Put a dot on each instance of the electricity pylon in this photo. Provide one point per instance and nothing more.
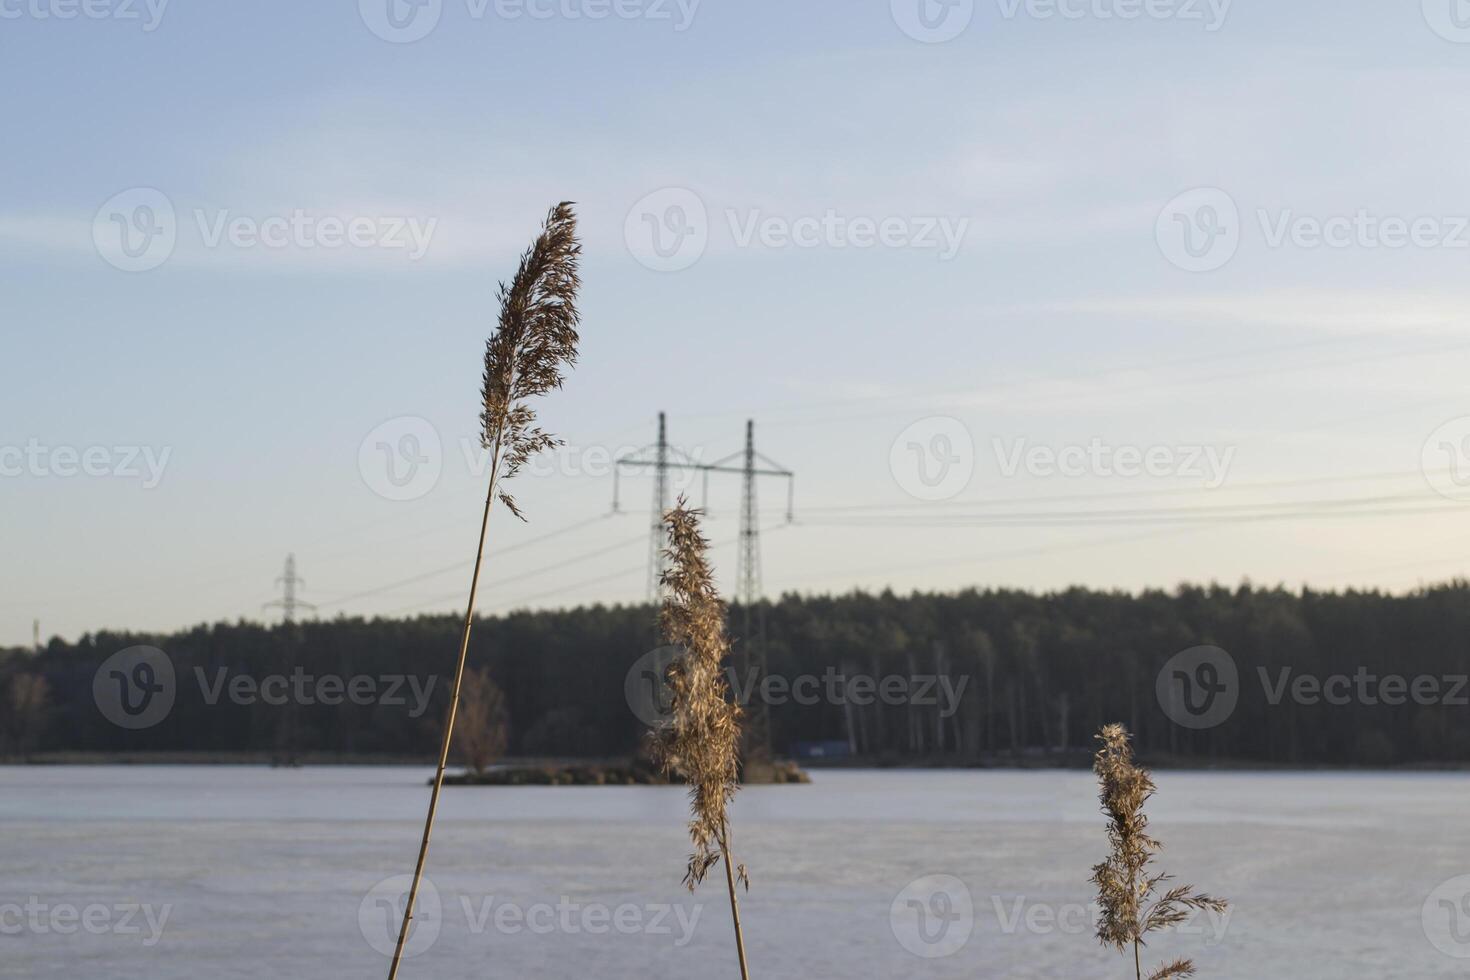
(750, 649)
(288, 602)
(663, 457)
(750, 652)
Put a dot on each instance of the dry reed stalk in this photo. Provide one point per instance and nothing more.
(1124, 883)
(534, 340)
(702, 736)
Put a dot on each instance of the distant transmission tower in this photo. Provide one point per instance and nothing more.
(660, 504)
(288, 602)
(663, 457)
(751, 651)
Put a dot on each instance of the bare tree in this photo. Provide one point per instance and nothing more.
(484, 721)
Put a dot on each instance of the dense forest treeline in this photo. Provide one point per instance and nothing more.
(1320, 678)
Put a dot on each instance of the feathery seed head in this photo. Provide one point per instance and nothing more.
(534, 341)
(1125, 886)
(702, 735)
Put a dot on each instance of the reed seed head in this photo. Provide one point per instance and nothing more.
(1125, 886)
(534, 341)
(701, 737)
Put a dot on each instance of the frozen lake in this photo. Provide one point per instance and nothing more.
(166, 873)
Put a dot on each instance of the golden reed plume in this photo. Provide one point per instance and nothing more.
(702, 736)
(534, 341)
(1125, 885)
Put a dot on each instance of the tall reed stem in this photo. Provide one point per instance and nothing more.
(734, 902)
(464, 648)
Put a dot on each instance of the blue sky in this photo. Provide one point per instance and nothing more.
(1064, 155)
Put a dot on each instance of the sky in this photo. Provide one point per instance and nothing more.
(1027, 293)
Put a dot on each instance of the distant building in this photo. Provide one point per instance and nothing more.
(830, 749)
